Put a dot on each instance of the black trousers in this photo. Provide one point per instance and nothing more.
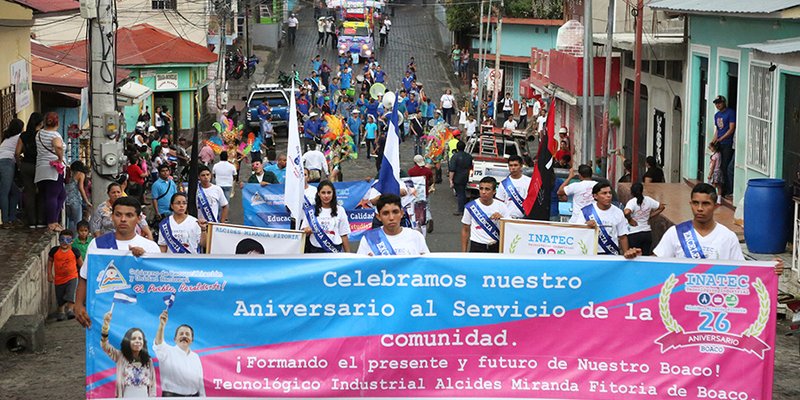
(475, 247)
(292, 35)
(642, 240)
(320, 38)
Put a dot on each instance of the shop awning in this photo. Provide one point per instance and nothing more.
(132, 93)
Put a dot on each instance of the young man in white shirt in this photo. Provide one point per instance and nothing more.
(212, 204)
(581, 192)
(508, 106)
(480, 232)
(316, 163)
(701, 237)
(514, 189)
(125, 215)
(613, 236)
(181, 369)
(471, 126)
(510, 125)
(541, 119)
(391, 238)
(225, 174)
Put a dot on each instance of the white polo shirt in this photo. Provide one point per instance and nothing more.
(181, 372)
(476, 233)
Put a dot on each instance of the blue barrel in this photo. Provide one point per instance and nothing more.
(766, 216)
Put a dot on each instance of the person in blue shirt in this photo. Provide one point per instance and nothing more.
(303, 106)
(380, 75)
(724, 129)
(347, 78)
(334, 85)
(430, 110)
(370, 132)
(162, 191)
(372, 108)
(407, 81)
(278, 168)
(412, 105)
(354, 122)
(490, 109)
(310, 132)
(316, 64)
(321, 98)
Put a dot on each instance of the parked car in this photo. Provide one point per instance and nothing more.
(278, 99)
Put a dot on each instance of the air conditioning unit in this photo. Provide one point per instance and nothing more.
(88, 9)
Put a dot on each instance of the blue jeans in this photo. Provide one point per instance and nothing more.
(461, 195)
(9, 194)
(227, 190)
(419, 144)
(74, 215)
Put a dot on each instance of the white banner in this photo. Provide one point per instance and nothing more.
(520, 236)
(21, 79)
(237, 239)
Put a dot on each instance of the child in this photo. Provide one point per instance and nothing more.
(82, 243)
(715, 170)
(62, 269)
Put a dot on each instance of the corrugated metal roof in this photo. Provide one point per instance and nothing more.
(782, 46)
(725, 6)
(47, 6)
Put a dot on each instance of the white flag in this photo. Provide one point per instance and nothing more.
(295, 178)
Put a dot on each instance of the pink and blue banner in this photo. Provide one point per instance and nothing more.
(439, 326)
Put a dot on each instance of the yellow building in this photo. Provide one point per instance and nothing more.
(16, 96)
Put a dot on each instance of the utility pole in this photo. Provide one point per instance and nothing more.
(604, 140)
(106, 143)
(637, 91)
(497, 80)
(587, 59)
(223, 13)
(481, 58)
(592, 131)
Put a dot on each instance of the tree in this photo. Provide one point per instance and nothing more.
(461, 17)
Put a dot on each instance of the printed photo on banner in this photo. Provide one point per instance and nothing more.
(438, 326)
(416, 203)
(238, 239)
(518, 236)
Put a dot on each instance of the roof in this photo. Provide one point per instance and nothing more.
(56, 68)
(49, 6)
(783, 46)
(725, 6)
(511, 59)
(527, 21)
(145, 44)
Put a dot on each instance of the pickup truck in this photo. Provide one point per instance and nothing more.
(490, 152)
(278, 99)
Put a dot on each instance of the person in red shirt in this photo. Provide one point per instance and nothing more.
(563, 151)
(136, 177)
(63, 264)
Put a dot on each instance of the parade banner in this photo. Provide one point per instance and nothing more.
(436, 326)
(522, 236)
(264, 206)
(237, 239)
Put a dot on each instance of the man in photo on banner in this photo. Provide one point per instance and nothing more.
(514, 189)
(181, 369)
(391, 238)
(480, 231)
(125, 214)
(611, 221)
(701, 237)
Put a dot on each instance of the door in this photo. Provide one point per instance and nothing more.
(701, 122)
(791, 132)
(170, 100)
(676, 140)
(733, 84)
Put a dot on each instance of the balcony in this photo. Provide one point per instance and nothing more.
(564, 70)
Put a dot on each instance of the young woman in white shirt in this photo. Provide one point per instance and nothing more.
(180, 229)
(331, 219)
(638, 212)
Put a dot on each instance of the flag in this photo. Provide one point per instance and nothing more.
(124, 297)
(389, 178)
(295, 175)
(169, 300)
(537, 202)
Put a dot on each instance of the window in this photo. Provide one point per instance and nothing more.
(8, 106)
(629, 61)
(164, 4)
(646, 66)
(759, 119)
(660, 68)
(675, 70)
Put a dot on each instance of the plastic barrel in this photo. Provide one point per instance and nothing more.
(766, 216)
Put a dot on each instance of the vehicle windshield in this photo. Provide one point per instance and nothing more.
(360, 31)
(274, 99)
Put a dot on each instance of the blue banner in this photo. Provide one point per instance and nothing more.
(442, 326)
(264, 206)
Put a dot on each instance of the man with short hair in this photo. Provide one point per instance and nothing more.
(471, 127)
(278, 168)
(508, 107)
(291, 24)
(212, 203)
(181, 369)
(391, 238)
(161, 191)
(581, 191)
(514, 189)
(225, 174)
(310, 131)
(125, 215)
(459, 166)
(613, 226)
(510, 125)
(724, 129)
(260, 176)
(480, 232)
(317, 165)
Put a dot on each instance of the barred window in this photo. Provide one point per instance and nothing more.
(8, 106)
(759, 119)
(164, 4)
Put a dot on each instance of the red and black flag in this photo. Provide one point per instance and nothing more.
(537, 202)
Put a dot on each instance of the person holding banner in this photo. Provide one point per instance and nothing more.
(391, 239)
(180, 233)
(514, 188)
(180, 367)
(479, 232)
(136, 375)
(613, 235)
(125, 214)
(325, 223)
(701, 237)
(212, 204)
(260, 176)
(581, 191)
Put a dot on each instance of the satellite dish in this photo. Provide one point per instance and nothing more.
(377, 90)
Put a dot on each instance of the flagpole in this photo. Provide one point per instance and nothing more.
(112, 307)
(294, 184)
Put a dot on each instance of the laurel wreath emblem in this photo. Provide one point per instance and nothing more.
(584, 249)
(760, 323)
(515, 243)
(663, 305)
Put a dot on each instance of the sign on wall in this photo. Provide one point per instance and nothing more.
(166, 81)
(659, 139)
(21, 79)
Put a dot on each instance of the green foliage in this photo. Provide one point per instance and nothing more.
(464, 17)
(461, 17)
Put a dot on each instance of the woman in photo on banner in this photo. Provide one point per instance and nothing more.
(326, 224)
(135, 375)
(180, 233)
